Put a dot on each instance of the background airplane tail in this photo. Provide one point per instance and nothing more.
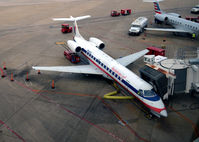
(74, 20)
(156, 5)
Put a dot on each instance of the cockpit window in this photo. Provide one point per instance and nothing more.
(146, 93)
(149, 93)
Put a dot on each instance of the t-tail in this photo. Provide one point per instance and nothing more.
(74, 20)
(156, 5)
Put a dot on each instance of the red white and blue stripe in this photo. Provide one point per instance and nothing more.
(157, 8)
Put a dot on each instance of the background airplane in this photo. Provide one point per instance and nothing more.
(103, 64)
(180, 25)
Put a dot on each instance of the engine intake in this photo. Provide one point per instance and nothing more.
(161, 17)
(75, 47)
(97, 42)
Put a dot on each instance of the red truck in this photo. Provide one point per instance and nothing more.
(125, 12)
(71, 56)
(194, 19)
(155, 51)
(114, 13)
(66, 29)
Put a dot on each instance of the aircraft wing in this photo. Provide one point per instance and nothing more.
(125, 61)
(166, 30)
(84, 69)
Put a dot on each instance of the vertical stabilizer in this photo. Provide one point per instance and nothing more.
(156, 5)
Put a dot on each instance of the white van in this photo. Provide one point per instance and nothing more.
(138, 26)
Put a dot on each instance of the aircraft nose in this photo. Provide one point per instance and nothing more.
(163, 113)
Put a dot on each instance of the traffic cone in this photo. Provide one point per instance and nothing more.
(53, 84)
(27, 79)
(39, 72)
(2, 74)
(4, 66)
(11, 78)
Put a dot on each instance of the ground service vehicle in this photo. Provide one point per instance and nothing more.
(155, 51)
(125, 12)
(114, 13)
(195, 19)
(195, 9)
(138, 26)
(71, 56)
(66, 29)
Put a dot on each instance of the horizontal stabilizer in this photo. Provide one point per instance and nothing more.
(166, 30)
(72, 18)
(84, 69)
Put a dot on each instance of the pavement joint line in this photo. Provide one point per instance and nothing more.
(82, 118)
(122, 120)
(40, 92)
(188, 120)
(88, 95)
(99, 98)
(78, 94)
(73, 113)
(15, 133)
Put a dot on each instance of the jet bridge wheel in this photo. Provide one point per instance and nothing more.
(148, 116)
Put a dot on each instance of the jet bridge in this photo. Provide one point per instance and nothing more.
(172, 76)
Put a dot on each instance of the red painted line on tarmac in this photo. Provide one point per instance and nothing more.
(71, 112)
(12, 131)
(194, 126)
(38, 92)
(82, 118)
(64, 93)
(120, 118)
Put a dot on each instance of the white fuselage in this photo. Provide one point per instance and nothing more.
(180, 23)
(114, 70)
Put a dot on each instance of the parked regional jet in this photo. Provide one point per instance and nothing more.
(103, 64)
(180, 25)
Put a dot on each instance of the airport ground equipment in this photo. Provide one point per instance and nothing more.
(195, 9)
(65, 28)
(173, 76)
(125, 12)
(114, 13)
(194, 19)
(155, 51)
(138, 26)
(69, 54)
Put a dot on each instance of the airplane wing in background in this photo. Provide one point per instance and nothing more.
(84, 69)
(125, 61)
(166, 30)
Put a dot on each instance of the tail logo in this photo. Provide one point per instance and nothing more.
(157, 8)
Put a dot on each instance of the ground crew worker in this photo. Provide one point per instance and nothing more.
(193, 36)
